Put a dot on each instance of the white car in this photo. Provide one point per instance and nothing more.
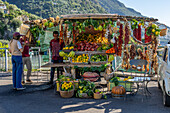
(164, 74)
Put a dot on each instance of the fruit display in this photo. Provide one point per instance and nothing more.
(66, 48)
(95, 38)
(84, 58)
(71, 54)
(111, 50)
(103, 47)
(85, 89)
(86, 46)
(98, 58)
(111, 58)
(63, 54)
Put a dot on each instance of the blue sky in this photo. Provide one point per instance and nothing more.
(159, 9)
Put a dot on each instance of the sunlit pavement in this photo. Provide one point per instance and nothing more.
(44, 100)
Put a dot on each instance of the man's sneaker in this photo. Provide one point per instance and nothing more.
(19, 89)
(14, 88)
(29, 81)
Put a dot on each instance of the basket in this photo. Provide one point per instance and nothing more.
(67, 94)
(163, 32)
(97, 96)
(24, 29)
(100, 62)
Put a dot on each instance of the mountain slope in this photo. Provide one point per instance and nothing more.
(114, 6)
(53, 8)
(48, 8)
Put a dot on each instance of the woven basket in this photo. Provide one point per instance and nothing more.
(97, 96)
(163, 32)
(24, 29)
(67, 94)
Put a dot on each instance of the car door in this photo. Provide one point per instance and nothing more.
(163, 66)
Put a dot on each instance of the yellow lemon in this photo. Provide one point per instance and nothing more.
(157, 33)
(153, 30)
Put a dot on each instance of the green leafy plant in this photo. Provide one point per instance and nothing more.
(153, 30)
(85, 87)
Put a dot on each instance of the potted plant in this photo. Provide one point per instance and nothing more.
(98, 94)
(67, 89)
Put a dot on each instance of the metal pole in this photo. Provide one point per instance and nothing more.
(6, 60)
(49, 55)
(39, 56)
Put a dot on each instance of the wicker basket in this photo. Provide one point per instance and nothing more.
(97, 96)
(67, 94)
(163, 32)
(24, 29)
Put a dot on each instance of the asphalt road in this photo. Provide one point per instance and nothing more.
(47, 102)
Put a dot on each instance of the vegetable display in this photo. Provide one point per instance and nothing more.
(85, 89)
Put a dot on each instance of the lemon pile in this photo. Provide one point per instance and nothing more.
(81, 58)
(66, 48)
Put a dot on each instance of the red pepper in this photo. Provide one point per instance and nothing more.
(127, 33)
(74, 31)
(139, 33)
(147, 38)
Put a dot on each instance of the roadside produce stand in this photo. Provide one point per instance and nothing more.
(93, 40)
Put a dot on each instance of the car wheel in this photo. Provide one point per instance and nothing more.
(159, 86)
(166, 98)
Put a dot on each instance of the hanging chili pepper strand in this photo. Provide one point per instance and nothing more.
(132, 51)
(74, 31)
(147, 38)
(120, 40)
(116, 46)
(127, 34)
(139, 33)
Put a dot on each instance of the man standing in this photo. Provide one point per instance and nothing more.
(16, 50)
(55, 46)
(26, 59)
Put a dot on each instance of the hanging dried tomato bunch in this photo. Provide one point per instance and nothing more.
(120, 40)
(127, 33)
(132, 51)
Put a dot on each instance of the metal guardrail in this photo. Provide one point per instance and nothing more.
(36, 59)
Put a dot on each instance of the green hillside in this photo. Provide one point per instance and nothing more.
(9, 22)
(51, 8)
